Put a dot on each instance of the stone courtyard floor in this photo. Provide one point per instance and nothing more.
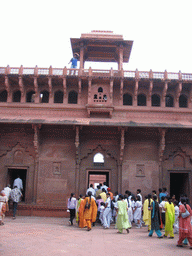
(39, 236)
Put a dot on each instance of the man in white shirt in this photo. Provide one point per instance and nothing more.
(18, 183)
(91, 189)
(104, 186)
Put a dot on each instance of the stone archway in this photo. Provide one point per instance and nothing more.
(87, 165)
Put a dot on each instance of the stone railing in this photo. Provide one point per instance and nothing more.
(127, 74)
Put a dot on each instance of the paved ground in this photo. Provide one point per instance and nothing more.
(37, 236)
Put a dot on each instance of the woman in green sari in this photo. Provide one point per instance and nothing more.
(169, 218)
(122, 215)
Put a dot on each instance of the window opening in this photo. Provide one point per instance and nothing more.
(30, 97)
(44, 97)
(169, 101)
(3, 96)
(183, 101)
(100, 89)
(141, 100)
(127, 99)
(72, 98)
(58, 97)
(155, 99)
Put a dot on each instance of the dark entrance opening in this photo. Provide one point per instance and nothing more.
(96, 177)
(179, 184)
(12, 175)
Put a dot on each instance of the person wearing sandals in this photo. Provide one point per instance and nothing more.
(122, 215)
(155, 218)
(185, 228)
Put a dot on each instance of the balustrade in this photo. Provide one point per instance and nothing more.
(96, 73)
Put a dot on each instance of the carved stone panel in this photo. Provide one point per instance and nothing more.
(140, 170)
(57, 168)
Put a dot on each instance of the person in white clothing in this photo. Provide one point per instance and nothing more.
(92, 190)
(71, 205)
(137, 212)
(7, 190)
(107, 212)
(18, 183)
(176, 223)
(102, 208)
(104, 186)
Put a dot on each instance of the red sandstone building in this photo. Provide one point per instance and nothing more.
(54, 122)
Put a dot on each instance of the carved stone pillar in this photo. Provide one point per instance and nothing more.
(121, 93)
(120, 61)
(79, 94)
(77, 160)
(36, 128)
(7, 86)
(178, 93)
(149, 102)
(164, 94)
(111, 90)
(89, 90)
(36, 90)
(22, 89)
(65, 90)
(82, 56)
(162, 132)
(135, 92)
(50, 90)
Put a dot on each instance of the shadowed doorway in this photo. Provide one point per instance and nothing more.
(12, 175)
(179, 184)
(96, 177)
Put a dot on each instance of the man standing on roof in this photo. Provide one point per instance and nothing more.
(74, 60)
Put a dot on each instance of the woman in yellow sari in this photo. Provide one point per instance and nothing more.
(169, 218)
(147, 211)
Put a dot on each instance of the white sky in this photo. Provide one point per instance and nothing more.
(38, 32)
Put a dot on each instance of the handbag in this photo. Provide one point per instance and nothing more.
(185, 214)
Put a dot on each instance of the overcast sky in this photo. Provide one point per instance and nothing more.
(38, 32)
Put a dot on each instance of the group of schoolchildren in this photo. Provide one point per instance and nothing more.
(157, 212)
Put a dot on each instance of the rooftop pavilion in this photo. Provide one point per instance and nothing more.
(102, 46)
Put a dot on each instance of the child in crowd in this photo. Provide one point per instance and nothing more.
(137, 212)
(102, 208)
(176, 223)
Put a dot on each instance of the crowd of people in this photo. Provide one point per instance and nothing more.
(159, 212)
(8, 194)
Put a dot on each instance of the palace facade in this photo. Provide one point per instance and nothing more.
(62, 129)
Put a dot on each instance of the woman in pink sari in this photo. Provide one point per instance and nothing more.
(185, 228)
